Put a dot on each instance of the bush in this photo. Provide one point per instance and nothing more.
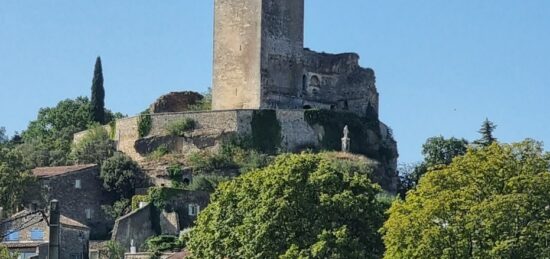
(206, 183)
(158, 153)
(175, 173)
(205, 162)
(180, 127)
(122, 175)
(163, 243)
(136, 199)
(117, 210)
(95, 147)
(145, 124)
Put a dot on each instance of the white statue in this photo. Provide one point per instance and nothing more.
(345, 140)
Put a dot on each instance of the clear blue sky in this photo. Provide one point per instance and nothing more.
(442, 66)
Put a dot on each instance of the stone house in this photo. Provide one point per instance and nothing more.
(27, 233)
(80, 193)
(180, 213)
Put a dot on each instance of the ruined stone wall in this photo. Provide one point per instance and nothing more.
(337, 82)
(237, 44)
(282, 50)
(296, 133)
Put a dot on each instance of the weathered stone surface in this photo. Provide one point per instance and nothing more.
(148, 145)
(260, 63)
(76, 202)
(175, 102)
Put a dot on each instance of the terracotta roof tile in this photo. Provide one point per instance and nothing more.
(22, 244)
(60, 170)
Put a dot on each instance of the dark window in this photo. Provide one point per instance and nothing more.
(304, 83)
(307, 107)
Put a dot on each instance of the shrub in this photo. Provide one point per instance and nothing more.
(205, 162)
(163, 243)
(158, 153)
(117, 210)
(145, 124)
(175, 173)
(136, 199)
(206, 183)
(180, 127)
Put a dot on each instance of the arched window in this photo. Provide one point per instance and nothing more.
(314, 82)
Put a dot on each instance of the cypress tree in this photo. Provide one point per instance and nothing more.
(486, 132)
(97, 104)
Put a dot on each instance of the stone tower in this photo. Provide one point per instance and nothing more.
(258, 46)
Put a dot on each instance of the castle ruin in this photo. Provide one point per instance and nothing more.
(260, 63)
(270, 89)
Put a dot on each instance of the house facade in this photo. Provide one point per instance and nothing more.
(27, 234)
(80, 193)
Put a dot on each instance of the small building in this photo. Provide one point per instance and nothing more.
(180, 212)
(27, 233)
(80, 193)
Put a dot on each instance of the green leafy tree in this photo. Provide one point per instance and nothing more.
(486, 131)
(98, 94)
(120, 174)
(114, 250)
(3, 137)
(13, 180)
(299, 206)
(118, 209)
(49, 137)
(492, 202)
(94, 148)
(437, 151)
(441, 151)
(5, 253)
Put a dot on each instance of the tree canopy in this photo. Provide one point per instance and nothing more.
(120, 174)
(493, 202)
(301, 206)
(437, 151)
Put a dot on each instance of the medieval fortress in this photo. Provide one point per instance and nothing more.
(262, 72)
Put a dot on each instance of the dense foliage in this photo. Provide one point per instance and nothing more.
(13, 179)
(120, 174)
(180, 127)
(437, 151)
(266, 131)
(145, 124)
(5, 253)
(97, 105)
(94, 148)
(493, 202)
(300, 206)
(163, 243)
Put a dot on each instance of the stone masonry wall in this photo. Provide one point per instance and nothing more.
(74, 202)
(135, 226)
(237, 45)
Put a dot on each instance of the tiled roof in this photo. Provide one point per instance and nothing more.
(35, 218)
(22, 244)
(60, 170)
(71, 222)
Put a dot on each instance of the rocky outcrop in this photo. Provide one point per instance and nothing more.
(175, 102)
